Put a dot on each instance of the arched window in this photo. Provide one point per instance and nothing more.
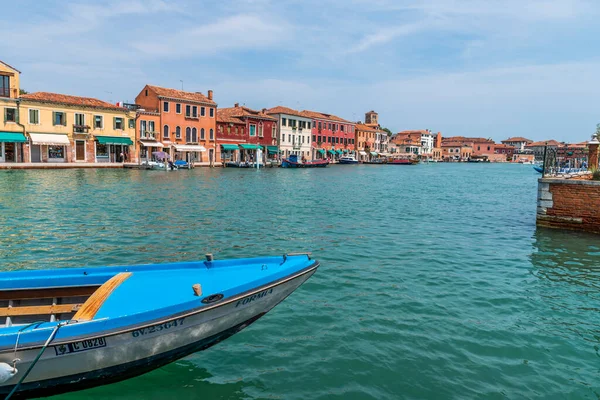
(202, 137)
(194, 135)
(166, 131)
(188, 134)
(178, 132)
(212, 134)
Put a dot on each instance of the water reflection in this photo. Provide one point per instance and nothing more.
(567, 265)
(568, 256)
(182, 377)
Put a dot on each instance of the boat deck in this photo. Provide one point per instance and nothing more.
(129, 295)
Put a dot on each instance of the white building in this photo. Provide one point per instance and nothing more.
(518, 143)
(420, 142)
(293, 132)
(427, 141)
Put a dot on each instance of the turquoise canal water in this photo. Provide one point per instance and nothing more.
(435, 283)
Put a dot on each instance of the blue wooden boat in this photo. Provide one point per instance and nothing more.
(538, 168)
(292, 162)
(75, 328)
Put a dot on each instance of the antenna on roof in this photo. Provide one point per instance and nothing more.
(181, 85)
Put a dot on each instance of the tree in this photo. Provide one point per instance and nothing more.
(23, 91)
(596, 135)
(388, 131)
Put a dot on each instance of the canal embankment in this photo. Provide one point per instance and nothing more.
(569, 204)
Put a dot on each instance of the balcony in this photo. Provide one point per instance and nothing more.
(81, 129)
(149, 135)
(296, 146)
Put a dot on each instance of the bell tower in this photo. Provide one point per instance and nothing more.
(371, 118)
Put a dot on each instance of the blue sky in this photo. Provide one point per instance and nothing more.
(463, 67)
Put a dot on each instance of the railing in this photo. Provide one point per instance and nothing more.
(148, 135)
(81, 129)
(296, 146)
(4, 92)
(562, 164)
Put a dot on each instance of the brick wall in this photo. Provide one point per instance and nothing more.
(569, 204)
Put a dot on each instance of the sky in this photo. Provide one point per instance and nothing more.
(485, 68)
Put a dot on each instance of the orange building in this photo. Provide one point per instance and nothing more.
(188, 123)
(365, 140)
(148, 134)
(480, 146)
(456, 151)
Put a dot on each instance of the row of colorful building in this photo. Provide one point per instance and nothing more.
(46, 127)
(50, 127)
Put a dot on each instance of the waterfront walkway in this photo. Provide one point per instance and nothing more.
(81, 165)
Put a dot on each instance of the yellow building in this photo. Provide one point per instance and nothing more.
(63, 128)
(12, 138)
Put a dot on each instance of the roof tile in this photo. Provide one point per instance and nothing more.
(284, 110)
(180, 94)
(70, 100)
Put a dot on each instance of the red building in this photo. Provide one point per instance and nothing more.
(248, 130)
(331, 132)
(481, 146)
(505, 149)
(187, 127)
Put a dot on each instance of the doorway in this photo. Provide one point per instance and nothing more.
(80, 150)
(36, 153)
(9, 152)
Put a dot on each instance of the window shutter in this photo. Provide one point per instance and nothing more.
(4, 114)
(64, 119)
(114, 123)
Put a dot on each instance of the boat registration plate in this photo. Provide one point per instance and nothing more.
(76, 347)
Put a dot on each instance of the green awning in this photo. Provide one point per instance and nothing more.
(340, 152)
(272, 149)
(12, 137)
(114, 140)
(248, 146)
(331, 152)
(321, 151)
(374, 153)
(230, 146)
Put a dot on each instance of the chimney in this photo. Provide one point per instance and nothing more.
(210, 94)
(264, 110)
(236, 105)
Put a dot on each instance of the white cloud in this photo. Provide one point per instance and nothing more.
(386, 35)
(496, 102)
(238, 32)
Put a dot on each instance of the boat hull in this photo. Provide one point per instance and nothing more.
(286, 163)
(403, 162)
(348, 162)
(108, 357)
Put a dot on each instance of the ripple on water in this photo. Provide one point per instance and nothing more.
(434, 281)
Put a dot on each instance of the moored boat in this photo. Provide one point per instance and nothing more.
(348, 160)
(376, 161)
(71, 329)
(402, 161)
(292, 162)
